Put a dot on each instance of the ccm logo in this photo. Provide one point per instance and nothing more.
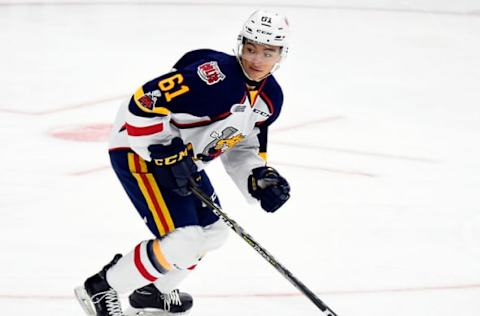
(264, 114)
(173, 159)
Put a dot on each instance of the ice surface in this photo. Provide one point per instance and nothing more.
(379, 138)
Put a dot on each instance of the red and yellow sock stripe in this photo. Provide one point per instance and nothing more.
(151, 192)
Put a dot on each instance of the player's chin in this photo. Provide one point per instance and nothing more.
(257, 75)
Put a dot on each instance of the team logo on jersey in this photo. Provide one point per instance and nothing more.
(210, 72)
(149, 99)
(221, 143)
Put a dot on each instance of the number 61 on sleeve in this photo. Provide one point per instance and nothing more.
(172, 87)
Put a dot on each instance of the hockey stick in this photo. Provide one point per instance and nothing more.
(264, 253)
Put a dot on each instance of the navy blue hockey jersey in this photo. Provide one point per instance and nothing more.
(206, 102)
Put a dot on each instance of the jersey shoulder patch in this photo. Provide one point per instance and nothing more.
(210, 72)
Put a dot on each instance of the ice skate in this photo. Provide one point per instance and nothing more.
(96, 296)
(149, 301)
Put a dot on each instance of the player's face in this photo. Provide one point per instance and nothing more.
(258, 60)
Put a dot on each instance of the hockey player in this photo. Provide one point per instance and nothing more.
(211, 104)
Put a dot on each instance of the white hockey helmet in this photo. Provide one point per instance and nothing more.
(267, 28)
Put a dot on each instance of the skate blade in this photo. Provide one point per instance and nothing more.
(84, 300)
(149, 312)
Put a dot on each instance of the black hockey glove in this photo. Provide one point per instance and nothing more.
(174, 165)
(268, 186)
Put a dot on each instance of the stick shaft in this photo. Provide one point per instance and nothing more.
(262, 251)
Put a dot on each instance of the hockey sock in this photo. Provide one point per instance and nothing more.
(144, 265)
